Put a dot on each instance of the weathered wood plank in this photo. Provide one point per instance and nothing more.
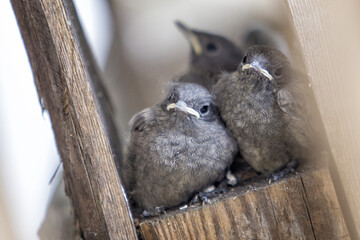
(290, 210)
(328, 33)
(302, 206)
(322, 205)
(65, 77)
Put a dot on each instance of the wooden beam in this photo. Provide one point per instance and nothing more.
(302, 206)
(329, 35)
(67, 82)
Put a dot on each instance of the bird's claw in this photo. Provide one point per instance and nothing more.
(205, 195)
(290, 168)
(154, 212)
(231, 179)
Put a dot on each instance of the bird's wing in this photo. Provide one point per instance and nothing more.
(139, 121)
(286, 101)
(296, 97)
(298, 102)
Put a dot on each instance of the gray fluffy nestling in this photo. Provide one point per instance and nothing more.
(211, 54)
(269, 109)
(176, 148)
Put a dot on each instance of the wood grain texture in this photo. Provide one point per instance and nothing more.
(65, 78)
(329, 34)
(302, 206)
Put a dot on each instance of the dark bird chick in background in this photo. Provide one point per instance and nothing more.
(267, 106)
(176, 148)
(265, 36)
(210, 55)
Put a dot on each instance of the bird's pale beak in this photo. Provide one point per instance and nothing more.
(183, 107)
(259, 69)
(191, 37)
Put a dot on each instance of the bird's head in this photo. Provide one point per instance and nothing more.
(268, 63)
(190, 101)
(210, 53)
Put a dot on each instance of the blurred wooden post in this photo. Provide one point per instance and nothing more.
(69, 86)
(329, 37)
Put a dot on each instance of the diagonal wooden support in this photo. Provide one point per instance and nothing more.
(68, 84)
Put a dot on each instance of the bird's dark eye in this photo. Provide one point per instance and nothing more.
(211, 47)
(172, 97)
(204, 109)
(244, 60)
(278, 72)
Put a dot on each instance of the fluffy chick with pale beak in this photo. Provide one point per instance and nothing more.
(268, 107)
(176, 148)
(210, 55)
